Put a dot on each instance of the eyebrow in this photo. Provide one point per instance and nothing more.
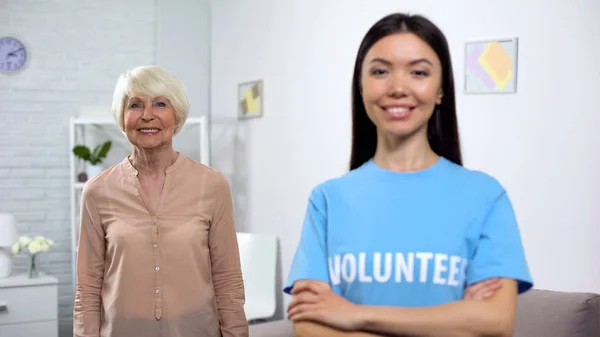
(413, 62)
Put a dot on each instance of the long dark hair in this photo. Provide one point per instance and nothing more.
(442, 128)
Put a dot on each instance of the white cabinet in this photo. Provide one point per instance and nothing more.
(29, 307)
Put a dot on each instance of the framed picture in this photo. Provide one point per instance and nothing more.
(250, 99)
(491, 66)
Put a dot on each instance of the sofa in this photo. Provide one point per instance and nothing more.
(541, 313)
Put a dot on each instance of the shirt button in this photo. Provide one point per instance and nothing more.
(153, 223)
(155, 245)
(157, 268)
(157, 291)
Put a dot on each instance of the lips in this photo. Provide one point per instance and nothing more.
(148, 130)
(398, 111)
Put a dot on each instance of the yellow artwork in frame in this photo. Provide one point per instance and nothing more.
(491, 66)
(250, 99)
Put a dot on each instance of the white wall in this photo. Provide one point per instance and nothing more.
(78, 48)
(182, 47)
(75, 60)
(541, 142)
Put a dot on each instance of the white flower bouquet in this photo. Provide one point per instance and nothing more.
(33, 246)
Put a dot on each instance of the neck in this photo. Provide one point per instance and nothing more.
(404, 154)
(153, 162)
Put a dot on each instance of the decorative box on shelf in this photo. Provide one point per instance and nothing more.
(29, 306)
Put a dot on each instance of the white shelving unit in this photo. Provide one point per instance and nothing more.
(77, 135)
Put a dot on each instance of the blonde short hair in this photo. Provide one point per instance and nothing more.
(152, 81)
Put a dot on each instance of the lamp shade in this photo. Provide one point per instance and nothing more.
(8, 230)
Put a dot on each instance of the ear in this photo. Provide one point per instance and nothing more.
(440, 95)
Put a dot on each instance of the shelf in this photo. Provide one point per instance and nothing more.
(85, 121)
(78, 128)
(110, 121)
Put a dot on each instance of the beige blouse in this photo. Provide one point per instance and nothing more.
(175, 273)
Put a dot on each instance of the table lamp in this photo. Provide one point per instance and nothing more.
(8, 237)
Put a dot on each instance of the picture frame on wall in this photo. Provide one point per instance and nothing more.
(250, 99)
(491, 66)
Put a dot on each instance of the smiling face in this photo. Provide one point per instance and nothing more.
(149, 122)
(401, 83)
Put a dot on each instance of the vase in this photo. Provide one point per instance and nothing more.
(34, 271)
(93, 170)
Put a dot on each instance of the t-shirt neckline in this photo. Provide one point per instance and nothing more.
(439, 164)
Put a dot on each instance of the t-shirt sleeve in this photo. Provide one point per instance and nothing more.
(310, 259)
(500, 250)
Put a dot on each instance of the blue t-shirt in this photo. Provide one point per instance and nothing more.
(380, 237)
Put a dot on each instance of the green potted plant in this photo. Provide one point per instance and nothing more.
(93, 157)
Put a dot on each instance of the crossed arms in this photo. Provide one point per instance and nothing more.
(488, 309)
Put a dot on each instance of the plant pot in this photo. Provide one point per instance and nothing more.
(93, 170)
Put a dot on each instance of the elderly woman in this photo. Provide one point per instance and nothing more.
(158, 254)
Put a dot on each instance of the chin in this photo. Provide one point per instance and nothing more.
(149, 145)
(399, 130)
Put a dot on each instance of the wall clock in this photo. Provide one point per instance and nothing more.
(13, 55)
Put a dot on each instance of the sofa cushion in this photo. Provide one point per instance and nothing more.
(557, 314)
(539, 313)
(282, 328)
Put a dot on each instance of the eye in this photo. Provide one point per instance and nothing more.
(378, 72)
(161, 104)
(135, 106)
(421, 73)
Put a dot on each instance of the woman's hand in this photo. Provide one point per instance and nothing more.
(482, 290)
(315, 301)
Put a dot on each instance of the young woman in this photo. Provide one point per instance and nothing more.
(395, 246)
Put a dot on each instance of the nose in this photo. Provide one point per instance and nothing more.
(148, 114)
(397, 86)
